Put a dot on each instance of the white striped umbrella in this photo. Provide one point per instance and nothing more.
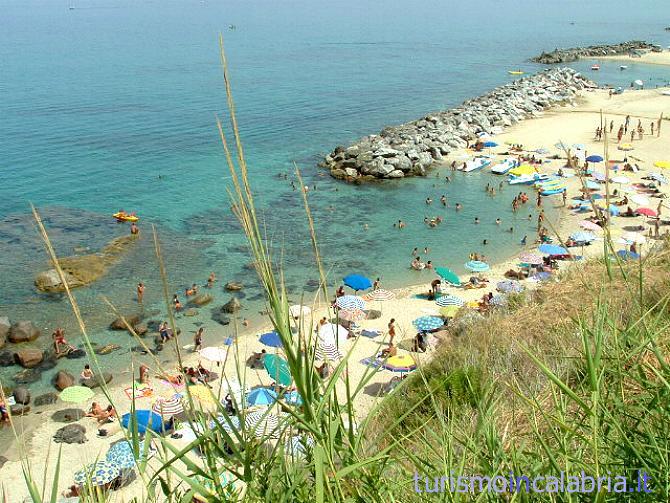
(380, 295)
(168, 406)
(352, 314)
(327, 352)
(449, 300)
(350, 302)
(262, 424)
(531, 258)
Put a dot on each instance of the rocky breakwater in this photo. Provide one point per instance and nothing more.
(558, 56)
(410, 149)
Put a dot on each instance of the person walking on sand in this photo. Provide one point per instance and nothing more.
(377, 283)
(651, 124)
(391, 327)
(619, 134)
(140, 292)
(659, 208)
(197, 340)
(565, 197)
(611, 126)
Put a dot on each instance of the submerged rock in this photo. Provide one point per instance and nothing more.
(132, 320)
(45, 399)
(5, 327)
(6, 359)
(27, 376)
(108, 348)
(21, 395)
(232, 306)
(202, 299)
(233, 286)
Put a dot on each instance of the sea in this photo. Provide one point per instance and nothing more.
(112, 104)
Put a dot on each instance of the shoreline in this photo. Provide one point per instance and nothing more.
(648, 58)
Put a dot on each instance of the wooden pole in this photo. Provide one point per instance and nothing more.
(658, 128)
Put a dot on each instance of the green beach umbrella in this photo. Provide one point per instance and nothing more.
(277, 369)
(76, 394)
(448, 275)
(450, 311)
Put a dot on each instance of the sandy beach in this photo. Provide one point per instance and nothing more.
(649, 58)
(569, 125)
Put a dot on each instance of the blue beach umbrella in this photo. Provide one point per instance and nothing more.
(261, 396)
(549, 249)
(592, 185)
(145, 420)
(426, 323)
(271, 339)
(614, 211)
(350, 302)
(357, 282)
(293, 398)
(599, 176)
(449, 300)
(97, 474)
(509, 286)
(121, 454)
(626, 255)
(489, 144)
(583, 236)
(594, 158)
(477, 266)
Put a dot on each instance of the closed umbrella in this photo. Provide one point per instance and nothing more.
(350, 302)
(509, 286)
(449, 300)
(271, 339)
(594, 158)
(400, 363)
(426, 323)
(531, 258)
(590, 226)
(145, 420)
(352, 314)
(99, 473)
(76, 394)
(214, 354)
(278, 369)
(583, 236)
(168, 406)
(647, 212)
(549, 249)
(261, 396)
(477, 266)
(639, 199)
(448, 275)
(357, 282)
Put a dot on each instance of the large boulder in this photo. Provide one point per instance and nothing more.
(71, 434)
(202, 299)
(20, 410)
(233, 286)
(29, 358)
(49, 281)
(45, 399)
(63, 380)
(6, 359)
(75, 354)
(21, 395)
(23, 331)
(97, 380)
(5, 327)
(27, 376)
(131, 319)
(232, 306)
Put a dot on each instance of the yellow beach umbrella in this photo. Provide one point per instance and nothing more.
(400, 363)
(202, 393)
(524, 169)
(449, 311)
(626, 146)
(662, 164)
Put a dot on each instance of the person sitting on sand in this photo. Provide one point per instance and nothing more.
(420, 343)
(72, 492)
(340, 292)
(203, 371)
(87, 373)
(256, 359)
(107, 415)
(95, 410)
(388, 352)
(177, 378)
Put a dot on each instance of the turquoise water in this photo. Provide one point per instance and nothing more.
(112, 105)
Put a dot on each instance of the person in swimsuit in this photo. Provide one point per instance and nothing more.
(87, 373)
(140, 292)
(197, 340)
(176, 302)
(59, 340)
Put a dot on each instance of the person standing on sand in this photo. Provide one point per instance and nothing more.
(611, 126)
(140, 292)
(391, 327)
(619, 134)
(565, 197)
(197, 340)
(659, 208)
(632, 135)
(377, 283)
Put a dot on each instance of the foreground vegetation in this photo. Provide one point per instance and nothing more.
(571, 378)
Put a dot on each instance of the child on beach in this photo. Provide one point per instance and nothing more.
(197, 340)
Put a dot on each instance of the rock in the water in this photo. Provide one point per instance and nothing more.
(108, 348)
(96, 380)
(71, 434)
(131, 319)
(202, 299)
(221, 318)
(5, 327)
(50, 361)
(23, 331)
(75, 354)
(29, 358)
(22, 395)
(45, 399)
(63, 380)
(20, 410)
(49, 281)
(27, 376)
(141, 329)
(232, 306)
(68, 415)
(191, 312)
(575, 53)
(6, 359)
(233, 286)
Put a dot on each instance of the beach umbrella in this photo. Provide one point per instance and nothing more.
(594, 158)
(271, 339)
(542, 151)
(590, 226)
(549, 249)
(625, 146)
(613, 210)
(352, 314)
(658, 177)
(400, 363)
(620, 179)
(448, 275)
(327, 352)
(639, 199)
(145, 420)
(449, 311)
(330, 333)
(629, 190)
(647, 212)
(121, 454)
(380, 295)
(592, 185)
(498, 300)
(261, 424)
(168, 406)
(76, 394)
(509, 286)
(578, 146)
(626, 255)
(229, 424)
(490, 144)
(357, 282)
(202, 393)
(638, 82)
(426, 323)
(293, 398)
(99, 473)
(449, 300)
(298, 445)
(261, 396)
(524, 169)
(583, 236)
(350, 302)
(531, 258)
(477, 266)
(662, 164)
(214, 354)
(296, 311)
(278, 369)
(599, 176)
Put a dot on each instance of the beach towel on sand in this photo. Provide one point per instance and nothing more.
(142, 392)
